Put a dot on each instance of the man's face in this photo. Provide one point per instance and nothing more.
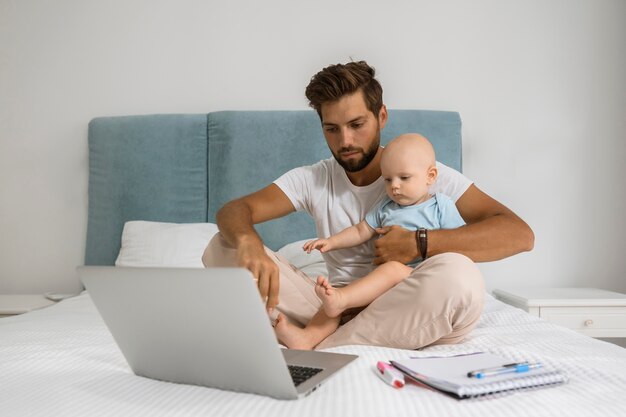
(351, 131)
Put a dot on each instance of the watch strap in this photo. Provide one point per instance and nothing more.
(422, 241)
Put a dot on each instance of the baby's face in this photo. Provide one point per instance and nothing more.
(406, 181)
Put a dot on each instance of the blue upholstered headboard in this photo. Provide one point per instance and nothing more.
(183, 168)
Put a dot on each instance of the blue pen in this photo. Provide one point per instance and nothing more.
(504, 369)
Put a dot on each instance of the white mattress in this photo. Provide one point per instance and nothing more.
(63, 361)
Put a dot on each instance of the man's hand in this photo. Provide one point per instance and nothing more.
(395, 244)
(236, 221)
(323, 245)
(264, 270)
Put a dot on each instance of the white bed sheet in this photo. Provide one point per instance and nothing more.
(63, 361)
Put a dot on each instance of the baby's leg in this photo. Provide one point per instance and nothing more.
(362, 291)
(319, 328)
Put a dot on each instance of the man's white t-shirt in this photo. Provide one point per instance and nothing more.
(324, 191)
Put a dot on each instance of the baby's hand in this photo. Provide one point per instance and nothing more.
(323, 245)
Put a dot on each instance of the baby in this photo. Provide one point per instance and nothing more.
(408, 168)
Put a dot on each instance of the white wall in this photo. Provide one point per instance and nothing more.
(540, 86)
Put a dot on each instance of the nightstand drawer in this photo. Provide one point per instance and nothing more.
(592, 321)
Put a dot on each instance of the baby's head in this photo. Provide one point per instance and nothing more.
(408, 168)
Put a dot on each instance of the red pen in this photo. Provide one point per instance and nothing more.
(390, 375)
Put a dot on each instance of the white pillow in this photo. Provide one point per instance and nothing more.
(164, 244)
(311, 264)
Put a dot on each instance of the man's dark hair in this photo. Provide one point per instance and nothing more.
(336, 81)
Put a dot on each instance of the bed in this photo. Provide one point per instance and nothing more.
(155, 184)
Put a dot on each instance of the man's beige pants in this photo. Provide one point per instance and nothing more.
(439, 303)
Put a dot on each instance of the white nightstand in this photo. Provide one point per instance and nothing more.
(591, 311)
(12, 304)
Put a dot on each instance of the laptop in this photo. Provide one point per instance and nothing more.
(203, 327)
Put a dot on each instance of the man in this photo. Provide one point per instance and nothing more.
(440, 302)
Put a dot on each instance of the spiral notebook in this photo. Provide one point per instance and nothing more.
(449, 375)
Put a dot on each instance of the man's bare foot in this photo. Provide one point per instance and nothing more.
(291, 335)
(332, 298)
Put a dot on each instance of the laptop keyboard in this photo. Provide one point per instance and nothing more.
(299, 374)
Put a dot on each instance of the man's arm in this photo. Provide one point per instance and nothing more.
(492, 232)
(235, 221)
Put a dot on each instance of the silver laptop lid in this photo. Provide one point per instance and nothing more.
(194, 326)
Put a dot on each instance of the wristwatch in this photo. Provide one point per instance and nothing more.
(421, 237)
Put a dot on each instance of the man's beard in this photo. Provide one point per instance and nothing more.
(355, 165)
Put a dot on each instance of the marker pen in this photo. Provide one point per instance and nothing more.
(390, 375)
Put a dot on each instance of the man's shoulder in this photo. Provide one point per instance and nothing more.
(320, 168)
(329, 165)
(450, 182)
(306, 179)
(445, 170)
(325, 165)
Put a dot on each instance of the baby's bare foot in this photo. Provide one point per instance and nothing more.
(291, 335)
(322, 286)
(333, 302)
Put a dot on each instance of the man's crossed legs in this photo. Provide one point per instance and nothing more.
(439, 303)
